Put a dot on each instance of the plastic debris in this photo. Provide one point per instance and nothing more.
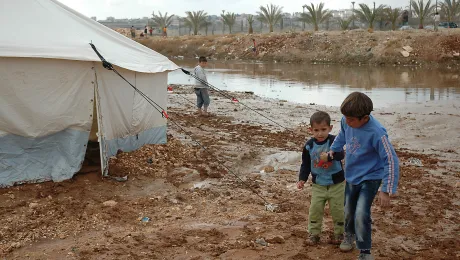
(145, 219)
(415, 162)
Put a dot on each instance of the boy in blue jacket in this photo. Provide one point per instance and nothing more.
(327, 177)
(369, 162)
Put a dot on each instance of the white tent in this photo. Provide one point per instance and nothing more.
(50, 82)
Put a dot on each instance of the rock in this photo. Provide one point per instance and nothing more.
(269, 169)
(408, 49)
(15, 245)
(189, 207)
(261, 242)
(110, 203)
(33, 205)
(405, 54)
(275, 239)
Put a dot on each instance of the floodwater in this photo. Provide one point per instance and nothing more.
(328, 84)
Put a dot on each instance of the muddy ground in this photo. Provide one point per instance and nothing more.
(181, 202)
(427, 48)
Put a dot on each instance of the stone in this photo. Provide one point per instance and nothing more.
(261, 242)
(269, 169)
(405, 54)
(110, 203)
(408, 49)
(189, 207)
(276, 239)
(33, 205)
(15, 245)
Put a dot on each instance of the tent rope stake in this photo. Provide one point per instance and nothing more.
(268, 206)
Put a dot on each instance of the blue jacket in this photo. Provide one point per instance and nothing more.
(369, 154)
(323, 173)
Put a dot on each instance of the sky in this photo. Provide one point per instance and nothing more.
(142, 8)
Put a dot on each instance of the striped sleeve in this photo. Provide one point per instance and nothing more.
(391, 165)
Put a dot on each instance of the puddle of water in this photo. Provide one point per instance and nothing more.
(329, 84)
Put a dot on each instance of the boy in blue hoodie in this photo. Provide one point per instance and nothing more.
(327, 177)
(369, 162)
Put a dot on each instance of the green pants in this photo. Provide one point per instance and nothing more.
(334, 194)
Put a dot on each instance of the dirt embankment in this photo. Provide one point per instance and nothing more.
(427, 48)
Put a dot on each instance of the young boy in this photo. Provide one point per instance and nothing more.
(327, 177)
(370, 161)
(201, 90)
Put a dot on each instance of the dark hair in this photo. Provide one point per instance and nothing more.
(202, 59)
(320, 117)
(357, 105)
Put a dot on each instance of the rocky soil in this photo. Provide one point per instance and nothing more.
(426, 48)
(182, 202)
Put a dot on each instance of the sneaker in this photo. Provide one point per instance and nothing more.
(347, 243)
(336, 239)
(313, 240)
(365, 257)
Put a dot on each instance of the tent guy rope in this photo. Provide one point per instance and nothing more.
(268, 206)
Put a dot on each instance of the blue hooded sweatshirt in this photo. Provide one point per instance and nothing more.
(369, 155)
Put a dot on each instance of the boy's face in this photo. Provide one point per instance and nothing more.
(355, 122)
(320, 130)
(203, 64)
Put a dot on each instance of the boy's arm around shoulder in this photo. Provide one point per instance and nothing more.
(339, 140)
(338, 156)
(390, 160)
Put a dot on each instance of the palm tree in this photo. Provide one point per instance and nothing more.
(161, 21)
(250, 22)
(421, 10)
(315, 15)
(450, 8)
(229, 19)
(261, 20)
(206, 24)
(270, 15)
(223, 21)
(392, 14)
(187, 24)
(196, 20)
(368, 15)
(344, 24)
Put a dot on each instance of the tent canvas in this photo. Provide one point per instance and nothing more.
(51, 80)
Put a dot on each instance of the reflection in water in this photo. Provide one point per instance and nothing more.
(329, 84)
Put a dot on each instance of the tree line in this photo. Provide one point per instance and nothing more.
(316, 15)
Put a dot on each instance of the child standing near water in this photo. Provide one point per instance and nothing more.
(370, 161)
(201, 90)
(327, 177)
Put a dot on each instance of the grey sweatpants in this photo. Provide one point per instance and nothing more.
(202, 97)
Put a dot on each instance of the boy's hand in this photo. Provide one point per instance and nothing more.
(331, 154)
(323, 157)
(384, 199)
(300, 185)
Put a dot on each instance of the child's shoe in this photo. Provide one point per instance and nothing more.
(365, 257)
(348, 242)
(313, 240)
